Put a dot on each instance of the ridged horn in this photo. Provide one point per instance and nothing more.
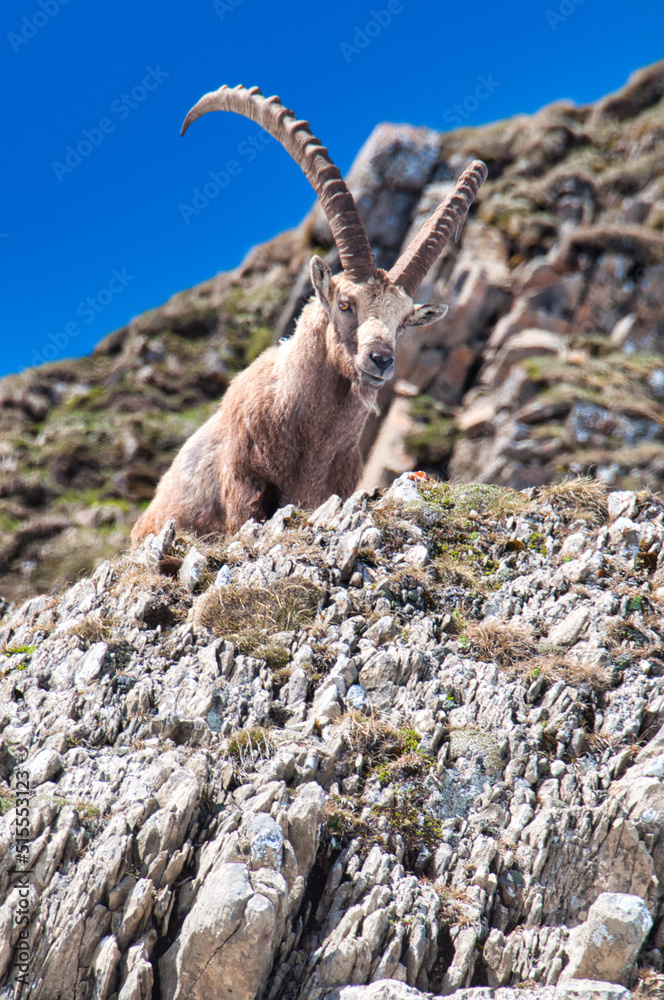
(413, 264)
(297, 139)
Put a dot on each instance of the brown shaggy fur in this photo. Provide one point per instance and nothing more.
(288, 428)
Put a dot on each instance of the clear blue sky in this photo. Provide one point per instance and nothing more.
(110, 230)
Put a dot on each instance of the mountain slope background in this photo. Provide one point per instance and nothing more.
(549, 362)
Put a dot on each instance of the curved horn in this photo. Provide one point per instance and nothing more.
(413, 264)
(297, 139)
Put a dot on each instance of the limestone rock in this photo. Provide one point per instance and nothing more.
(566, 632)
(607, 943)
(304, 818)
(44, 766)
(192, 568)
(224, 945)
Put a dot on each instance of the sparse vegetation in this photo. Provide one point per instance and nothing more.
(456, 906)
(92, 628)
(410, 819)
(248, 615)
(15, 650)
(383, 748)
(433, 443)
(505, 643)
(464, 500)
(515, 648)
(250, 746)
(578, 497)
(343, 824)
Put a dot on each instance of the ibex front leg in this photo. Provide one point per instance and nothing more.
(248, 498)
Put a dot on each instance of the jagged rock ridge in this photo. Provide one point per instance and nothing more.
(549, 360)
(405, 744)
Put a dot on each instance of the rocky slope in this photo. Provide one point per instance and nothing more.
(549, 361)
(407, 745)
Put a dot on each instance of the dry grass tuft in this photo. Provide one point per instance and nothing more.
(132, 574)
(503, 642)
(397, 530)
(213, 546)
(515, 648)
(457, 908)
(343, 822)
(378, 742)
(249, 615)
(559, 667)
(298, 542)
(92, 628)
(580, 497)
(415, 581)
(454, 573)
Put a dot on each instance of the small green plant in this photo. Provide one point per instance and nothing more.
(412, 821)
(378, 743)
(411, 740)
(537, 543)
(87, 812)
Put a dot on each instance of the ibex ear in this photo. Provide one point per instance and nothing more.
(424, 315)
(321, 279)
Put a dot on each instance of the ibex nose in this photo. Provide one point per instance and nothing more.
(382, 360)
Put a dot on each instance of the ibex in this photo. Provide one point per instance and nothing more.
(289, 426)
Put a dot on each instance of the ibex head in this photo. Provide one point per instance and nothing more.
(365, 319)
(367, 307)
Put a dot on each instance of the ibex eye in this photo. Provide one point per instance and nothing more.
(344, 306)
